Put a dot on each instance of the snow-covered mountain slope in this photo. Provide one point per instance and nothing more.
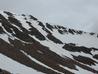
(28, 46)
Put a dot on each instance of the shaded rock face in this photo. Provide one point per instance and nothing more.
(0, 70)
(54, 39)
(73, 48)
(96, 56)
(26, 39)
(4, 72)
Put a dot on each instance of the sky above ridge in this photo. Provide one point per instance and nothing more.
(77, 14)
